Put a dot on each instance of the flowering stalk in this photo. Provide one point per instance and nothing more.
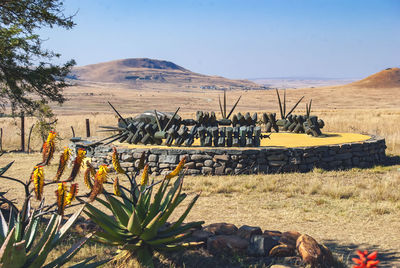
(178, 169)
(99, 179)
(366, 260)
(116, 187)
(145, 175)
(115, 162)
(87, 176)
(38, 181)
(49, 148)
(61, 193)
(62, 163)
(77, 164)
(73, 192)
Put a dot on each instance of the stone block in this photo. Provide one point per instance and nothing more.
(171, 159)
(208, 163)
(190, 165)
(231, 244)
(200, 157)
(219, 170)
(246, 231)
(206, 170)
(153, 158)
(221, 228)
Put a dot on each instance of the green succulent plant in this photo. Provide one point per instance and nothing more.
(138, 222)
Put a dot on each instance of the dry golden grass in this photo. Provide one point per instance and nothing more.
(344, 209)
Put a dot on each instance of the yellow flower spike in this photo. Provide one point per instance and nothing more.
(87, 176)
(49, 148)
(115, 162)
(38, 182)
(62, 163)
(145, 175)
(116, 187)
(77, 164)
(102, 173)
(73, 192)
(178, 169)
(61, 197)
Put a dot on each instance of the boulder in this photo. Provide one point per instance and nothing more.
(282, 250)
(246, 231)
(289, 238)
(312, 253)
(221, 228)
(231, 244)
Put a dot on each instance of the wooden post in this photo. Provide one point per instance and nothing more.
(29, 139)
(87, 128)
(1, 139)
(73, 131)
(22, 132)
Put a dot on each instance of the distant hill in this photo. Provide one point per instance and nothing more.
(137, 72)
(388, 78)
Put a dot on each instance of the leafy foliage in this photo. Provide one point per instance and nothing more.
(26, 71)
(139, 216)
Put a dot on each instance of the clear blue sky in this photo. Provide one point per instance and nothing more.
(237, 39)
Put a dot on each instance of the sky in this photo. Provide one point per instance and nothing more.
(237, 39)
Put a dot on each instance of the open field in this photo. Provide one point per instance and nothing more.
(344, 209)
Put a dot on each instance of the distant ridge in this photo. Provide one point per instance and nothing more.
(136, 72)
(388, 78)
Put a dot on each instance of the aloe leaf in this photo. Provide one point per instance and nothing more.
(174, 247)
(134, 224)
(117, 210)
(64, 258)
(31, 231)
(180, 229)
(85, 264)
(4, 169)
(110, 228)
(110, 238)
(155, 205)
(3, 227)
(49, 229)
(11, 219)
(167, 240)
(145, 258)
(184, 215)
(171, 193)
(6, 248)
(150, 230)
(64, 229)
(100, 216)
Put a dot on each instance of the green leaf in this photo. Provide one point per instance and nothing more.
(168, 240)
(31, 231)
(184, 215)
(145, 258)
(4, 169)
(64, 229)
(116, 207)
(181, 229)
(150, 231)
(6, 248)
(3, 227)
(134, 224)
(64, 258)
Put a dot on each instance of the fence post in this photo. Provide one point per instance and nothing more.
(73, 131)
(29, 139)
(87, 128)
(1, 139)
(22, 132)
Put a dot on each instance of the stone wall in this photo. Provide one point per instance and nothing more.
(225, 161)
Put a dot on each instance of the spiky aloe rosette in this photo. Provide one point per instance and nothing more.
(22, 242)
(138, 227)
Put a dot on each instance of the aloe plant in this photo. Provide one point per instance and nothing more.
(137, 224)
(22, 244)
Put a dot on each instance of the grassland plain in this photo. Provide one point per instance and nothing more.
(344, 209)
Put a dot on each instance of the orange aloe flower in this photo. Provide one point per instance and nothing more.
(366, 260)
(61, 194)
(49, 148)
(145, 175)
(80, 155)
(116, 187)
(87, 176)
(178, 169)
(99, 179)
(115, 162)
(62, 163)
(38, 181)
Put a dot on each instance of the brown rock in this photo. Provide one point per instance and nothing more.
(269, 242)
(200, 235)
(313, 253)
(289, 238)
(227, 244)
(246, 231)
(274, 234)
(282, 251)
(222, 157)
(221, 228)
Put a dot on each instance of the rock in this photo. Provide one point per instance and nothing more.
(170, 159)
(208, 163)
(127, 158)
(277, 163)
(221, 228)
(227, 244)
(269, 243)
(276, 235)
(190, 165)
(282, 250)
(200, 235)
(200, 157)
(219, 170)
(223, 157)
(289, 238)
(276, 157)
(207, 170)
(256, 246)
(193, 171)
(199, 165)
(153, 158)
(246, 231)
(309, 250)
(228, 171)
(327, 257)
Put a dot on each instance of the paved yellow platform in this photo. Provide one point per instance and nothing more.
(280, 140)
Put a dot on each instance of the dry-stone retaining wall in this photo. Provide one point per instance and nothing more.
(221, 161)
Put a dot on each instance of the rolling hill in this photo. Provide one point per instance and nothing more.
(388, 78)
(139, 72)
